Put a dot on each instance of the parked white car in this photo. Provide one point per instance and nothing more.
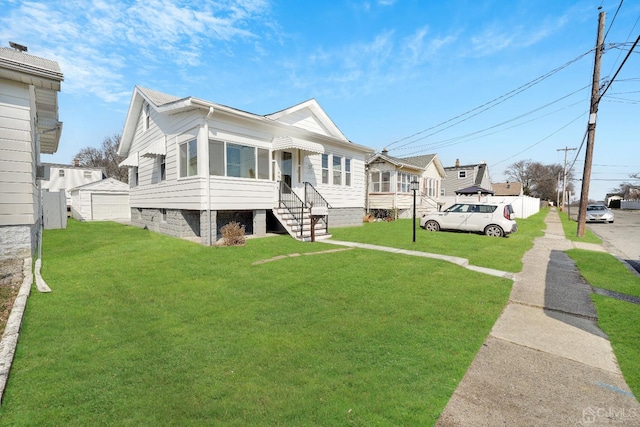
(492, 219)
(599, 213)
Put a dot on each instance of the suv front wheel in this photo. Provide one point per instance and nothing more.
(494, 231)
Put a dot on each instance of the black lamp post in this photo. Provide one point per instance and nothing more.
(414, 187)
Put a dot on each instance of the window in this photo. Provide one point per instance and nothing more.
(241, 161)
(337, 170)
(61, 173)
(386, 182)
(347, 172)
(216, 158)
(147, 116)
(462, 174)
(163, 215)
(162, 168)
(189, 158)
(404, 182)
(325, 168)
(442, 192)
(134, 176)
(87, 174)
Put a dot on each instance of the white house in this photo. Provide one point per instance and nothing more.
(66, 177)
(390, 178)
(29, 126)
(103, 200)
(196, 165)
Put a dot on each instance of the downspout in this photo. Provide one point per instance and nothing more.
(206, 132)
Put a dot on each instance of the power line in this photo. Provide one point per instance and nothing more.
(490, 104)
(613, 20)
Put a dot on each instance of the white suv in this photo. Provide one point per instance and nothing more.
(492, 219)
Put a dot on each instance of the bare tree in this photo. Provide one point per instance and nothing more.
(105, 157)
(539, 180)
(519, 172)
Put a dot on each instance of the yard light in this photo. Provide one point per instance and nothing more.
(415, 186)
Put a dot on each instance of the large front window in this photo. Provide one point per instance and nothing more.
(381, 182)
(189, 159)
(404, 182)
(239, 161)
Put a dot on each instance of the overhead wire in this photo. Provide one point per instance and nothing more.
(488, 105)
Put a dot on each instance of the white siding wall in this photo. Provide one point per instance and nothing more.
(174, 193)
(338, 196)
(18, 156)
(73, 177)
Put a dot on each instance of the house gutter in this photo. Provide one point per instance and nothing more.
(206, 132)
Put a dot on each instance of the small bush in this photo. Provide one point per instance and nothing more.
(233, 234)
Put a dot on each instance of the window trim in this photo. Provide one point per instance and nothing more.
(347, 172)
(185, 163)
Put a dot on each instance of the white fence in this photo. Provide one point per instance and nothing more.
(523, 206)
(629, 204)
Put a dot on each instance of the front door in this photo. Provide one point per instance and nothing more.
(286, 166)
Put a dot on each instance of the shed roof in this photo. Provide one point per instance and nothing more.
(109, 185)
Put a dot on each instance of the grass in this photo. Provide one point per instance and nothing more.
(144, 329)
(571, 227)
(618, 319)
(499, 253)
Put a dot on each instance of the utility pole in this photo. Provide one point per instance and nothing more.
(564, 180)
(591, 130)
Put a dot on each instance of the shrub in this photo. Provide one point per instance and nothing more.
(233, 234)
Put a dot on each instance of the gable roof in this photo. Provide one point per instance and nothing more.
(507, 188)
(299, 116)
(396, 161)
(108, 185)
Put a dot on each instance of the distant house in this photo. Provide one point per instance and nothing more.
(66, 177)
(389, 188)
(29, 126)
(464, 176)
(632, 193)
(195, 166)
(103, 200)
(507, 188)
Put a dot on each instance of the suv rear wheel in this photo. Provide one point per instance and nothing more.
(494, 231)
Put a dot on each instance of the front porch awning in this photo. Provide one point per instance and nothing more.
(131, 161)
(287, 143)
(158, 148)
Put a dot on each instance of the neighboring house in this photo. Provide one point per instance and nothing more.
(507, 189)
(632, 193)
(195, 166)
(459, 177)
(29, 126)
(66, 177)
(103, 200)
(390, 191)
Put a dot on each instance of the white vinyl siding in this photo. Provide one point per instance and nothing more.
(18, 192)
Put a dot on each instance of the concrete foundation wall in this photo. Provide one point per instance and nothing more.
(17, 241)
(345, 217)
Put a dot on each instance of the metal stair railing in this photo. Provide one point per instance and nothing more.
(291, 201)
(313, 199)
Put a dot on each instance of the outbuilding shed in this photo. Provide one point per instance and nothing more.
(101, 201)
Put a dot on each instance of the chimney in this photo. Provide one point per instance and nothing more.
(457, 163)
(385, 151)
(76, 162)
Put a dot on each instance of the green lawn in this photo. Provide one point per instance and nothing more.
(618, 319)
(499, 253)
(145, 329)
(571, 229)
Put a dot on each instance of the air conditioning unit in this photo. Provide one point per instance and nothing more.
(43, 172)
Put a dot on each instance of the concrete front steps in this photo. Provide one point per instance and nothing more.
(293, 227)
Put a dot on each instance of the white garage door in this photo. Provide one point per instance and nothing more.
(110, 206)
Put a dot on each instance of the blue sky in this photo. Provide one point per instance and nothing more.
(390, 73)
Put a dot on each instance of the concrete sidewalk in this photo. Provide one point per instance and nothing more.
(545, 362)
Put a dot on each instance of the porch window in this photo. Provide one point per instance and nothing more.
(347, 172)
(381, 181)
(189, 159)
(263, 163)
(241, 161)
(386, 182)
(216, 158)
(325, 168)
(337, 170)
